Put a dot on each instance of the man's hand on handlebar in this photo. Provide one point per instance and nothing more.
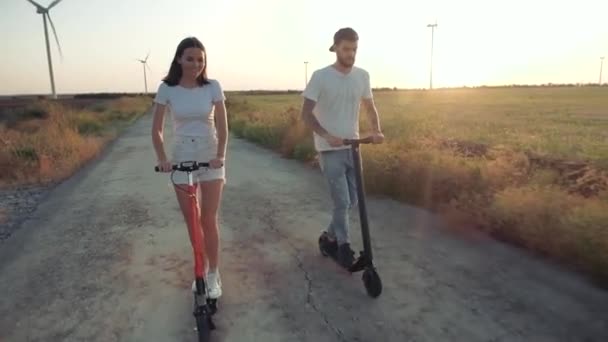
(377, 138)
(334, 141)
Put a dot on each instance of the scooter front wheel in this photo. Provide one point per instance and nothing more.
(204, 323)
(372, 282)
(203, 328)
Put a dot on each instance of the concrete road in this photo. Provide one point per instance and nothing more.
(106, 257)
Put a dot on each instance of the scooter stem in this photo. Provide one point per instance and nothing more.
(367, 248)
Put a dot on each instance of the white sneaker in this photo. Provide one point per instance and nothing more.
(214, 285)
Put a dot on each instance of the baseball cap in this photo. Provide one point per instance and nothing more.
(345, 33)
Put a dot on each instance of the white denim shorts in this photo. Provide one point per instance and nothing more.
(200, 149)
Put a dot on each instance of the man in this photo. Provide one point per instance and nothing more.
(331, 106)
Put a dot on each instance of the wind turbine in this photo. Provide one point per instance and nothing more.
(144, 64)
(45, 14)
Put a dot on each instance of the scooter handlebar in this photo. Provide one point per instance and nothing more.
(366, 140)
(186, 166)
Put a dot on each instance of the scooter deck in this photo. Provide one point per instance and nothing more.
(334, 257)
(212, 304)
(332, 254)
(358, 265)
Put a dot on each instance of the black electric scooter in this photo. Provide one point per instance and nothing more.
(364, 263)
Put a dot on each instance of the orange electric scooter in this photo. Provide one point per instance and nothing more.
(204, 307)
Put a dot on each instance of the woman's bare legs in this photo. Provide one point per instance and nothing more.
(211, 196)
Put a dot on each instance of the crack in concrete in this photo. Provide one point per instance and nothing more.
(269, 219)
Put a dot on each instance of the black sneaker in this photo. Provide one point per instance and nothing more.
(346, 256)
(328, 245)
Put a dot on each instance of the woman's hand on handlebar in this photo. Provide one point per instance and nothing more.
(165, 166)
(216, 163)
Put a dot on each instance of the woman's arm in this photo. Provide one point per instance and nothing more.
(158, 124)
(221, 119)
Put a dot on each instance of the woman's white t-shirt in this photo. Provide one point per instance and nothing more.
(192, 109)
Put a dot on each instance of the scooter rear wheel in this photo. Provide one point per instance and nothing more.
(372, 282)
(212, 305)
(321, 249)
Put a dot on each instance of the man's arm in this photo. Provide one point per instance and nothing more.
(311, 95)
(372, 114)
(310, 119)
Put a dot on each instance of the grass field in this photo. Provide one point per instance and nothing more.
(527, 165)
(47, 141)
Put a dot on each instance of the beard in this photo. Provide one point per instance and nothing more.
(346, 62)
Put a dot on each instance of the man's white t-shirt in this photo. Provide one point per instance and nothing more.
(338, 99)
(192, 110)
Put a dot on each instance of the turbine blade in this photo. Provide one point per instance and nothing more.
(55, 34)
(148, 67)
(148, 55)
(53, 4)
(35, 4)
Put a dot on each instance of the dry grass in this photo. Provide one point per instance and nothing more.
(46, 141)
(526, 165)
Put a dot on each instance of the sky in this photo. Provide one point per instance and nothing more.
(262, 44)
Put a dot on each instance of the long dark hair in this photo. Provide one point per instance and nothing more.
(175, 71)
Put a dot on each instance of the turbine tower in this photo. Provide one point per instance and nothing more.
(144, 63)
(44, 11)
(432, 26)
(601, 66)
(305, 74)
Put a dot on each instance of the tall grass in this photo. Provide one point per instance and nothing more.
(525, 165)
(48, 141)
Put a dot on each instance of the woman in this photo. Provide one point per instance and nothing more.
(200, 133)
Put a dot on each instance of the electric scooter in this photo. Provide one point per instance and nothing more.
(204, 307)
(371, 279)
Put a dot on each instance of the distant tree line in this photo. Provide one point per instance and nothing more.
(294, 91)
(108, 95)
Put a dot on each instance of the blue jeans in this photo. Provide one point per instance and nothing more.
(339, 171)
